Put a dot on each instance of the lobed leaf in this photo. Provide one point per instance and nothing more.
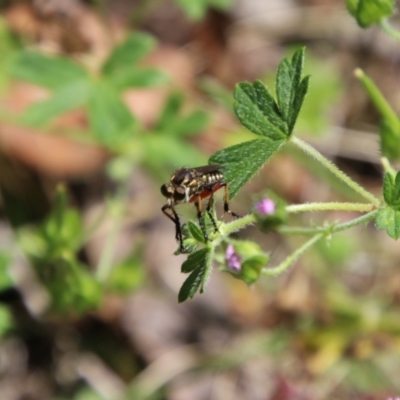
(396, 189)
(290, 88)
(191, 124)
(284, 87)
(268, 106)
(170, 111)
(391, 189)
(298, 102)
(256, 112)
(50, 72)
(135, 47)
(63, 99)
(196, 232)
(388, 188)
(243, 160)
(110, 119)
(368, 12)
(207, 270)
(195, 260)
(191, 284)
(138, 77)
(389, 219)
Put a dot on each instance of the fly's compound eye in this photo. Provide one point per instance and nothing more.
(179, 193)
(167, 190)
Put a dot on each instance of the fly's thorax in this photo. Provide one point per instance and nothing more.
(181, 177)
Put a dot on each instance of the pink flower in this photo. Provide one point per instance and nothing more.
(232, 259)
(265, 206)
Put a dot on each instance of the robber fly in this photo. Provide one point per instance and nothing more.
(191, 185)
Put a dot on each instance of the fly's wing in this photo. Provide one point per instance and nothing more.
(207, 169)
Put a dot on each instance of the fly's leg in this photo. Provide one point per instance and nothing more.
(226, 203)
(209, 212)
(175, 219)
(201, 219)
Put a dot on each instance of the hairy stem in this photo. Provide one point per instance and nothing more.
(319, 233)
(333, 206)
(284, 265)
(332, 228)
(335, 170)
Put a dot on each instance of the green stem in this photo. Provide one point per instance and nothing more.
(354, 222)
(387, 28)
(319, 233)
(335, 170)
(283, 266)
(379, 100)
(387, 167)
(238, 224)
(333, 206)
(300, 230)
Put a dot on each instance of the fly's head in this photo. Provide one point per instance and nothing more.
(173, 193)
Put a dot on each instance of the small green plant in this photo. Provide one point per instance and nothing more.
(273, 120)
(54, 243)
(98, 89)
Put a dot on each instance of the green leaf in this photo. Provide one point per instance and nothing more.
(171, 123)
(251, 268)
(268, 106)
(207, 270)
(50, 72)
(169, 151)
(284, 87)
(389, 219)
(63, 232)
(191, 124)
(196, 233)
(255, 109)
(199, 264)
(396, 190)
(388, 184)
(138, 77)
(243, 160)
(290, 89)
(134, 48)
(170, 111)
(63, 99)
(391, 189)
(352, 7)
(109, 117)
(195, 260)
(371, 11)
(191, 284)
(298, 101)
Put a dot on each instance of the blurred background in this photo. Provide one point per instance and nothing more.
(100, 101)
